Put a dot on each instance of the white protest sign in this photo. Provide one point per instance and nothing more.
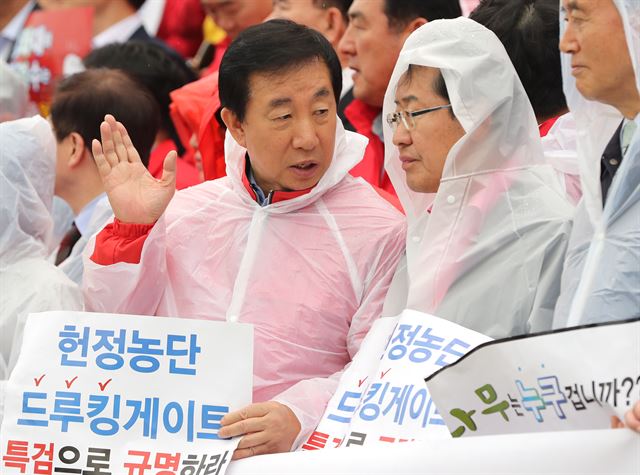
(573, 379)
(594, 452)
(334, 426)
(385, 399)
(120, 394)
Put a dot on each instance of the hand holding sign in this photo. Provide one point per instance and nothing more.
(135, 195)
(267, 427)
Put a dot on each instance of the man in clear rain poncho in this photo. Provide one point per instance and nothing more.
(287, 241)
(28, 281)
(601, 73)
(601, 279)
(488, 220)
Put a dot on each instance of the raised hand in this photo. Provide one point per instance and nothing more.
(135, 195)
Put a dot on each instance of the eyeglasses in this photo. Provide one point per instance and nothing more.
(407, 117)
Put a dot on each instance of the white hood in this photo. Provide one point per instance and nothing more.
(500, 211)
(27, 176)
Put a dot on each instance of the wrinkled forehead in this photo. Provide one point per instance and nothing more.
(301, 79)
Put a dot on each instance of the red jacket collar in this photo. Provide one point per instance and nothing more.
(277, 196)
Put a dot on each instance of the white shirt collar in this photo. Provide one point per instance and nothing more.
(83, 220)
(118, 32)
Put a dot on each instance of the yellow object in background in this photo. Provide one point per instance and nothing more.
(212, 33)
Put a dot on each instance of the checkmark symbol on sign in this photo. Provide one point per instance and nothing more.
(39, 380)
(69, 383)
(384, 373)
(103, 385)
(360, 381)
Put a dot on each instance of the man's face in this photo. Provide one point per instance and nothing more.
(289, 127)
(304, 12)
(372, 48)
(235, 16)
(600, 61)
(424, 149)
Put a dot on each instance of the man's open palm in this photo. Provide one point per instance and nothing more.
(135, 195)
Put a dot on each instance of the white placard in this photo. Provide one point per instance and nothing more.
(573, 379)
(382, 397)
(595, 452)
(99, 393)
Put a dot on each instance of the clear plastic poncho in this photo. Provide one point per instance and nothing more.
(310, 273)
(486, 250)
(601, 279)
(28, 282)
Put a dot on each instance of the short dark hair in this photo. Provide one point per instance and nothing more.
(342, 5)
(273, 47)
(439, 85)
(150, 65)
(81, 101)
(529, 31)
(137, 4)
(401, 12)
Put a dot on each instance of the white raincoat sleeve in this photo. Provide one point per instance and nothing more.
(123, 287)
(601, 276)
(308, 399)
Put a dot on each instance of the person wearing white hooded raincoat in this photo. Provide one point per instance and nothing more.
(28, 281)
(601, 278)
(486, 250)
(310, 273)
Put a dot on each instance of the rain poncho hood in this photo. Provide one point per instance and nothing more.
(601, 278)
(28, 283)
(310, 273)
(14, 95)
(484, 251)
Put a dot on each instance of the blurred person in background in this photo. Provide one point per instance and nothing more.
(176, 22)
(233, 16)
(329, 17)
(80, 104)
(375, 35)
(529, 31)
(149, 64)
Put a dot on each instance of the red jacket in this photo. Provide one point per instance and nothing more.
(358, 117)
(193, 108)
(186, 173)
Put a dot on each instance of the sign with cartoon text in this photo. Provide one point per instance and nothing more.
(571, 379)
(129, 395)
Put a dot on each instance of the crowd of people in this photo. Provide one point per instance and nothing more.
(324, 164)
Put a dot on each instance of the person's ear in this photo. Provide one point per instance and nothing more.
(234, 126)
(335, 26)
(413, 25)
(77, 149)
